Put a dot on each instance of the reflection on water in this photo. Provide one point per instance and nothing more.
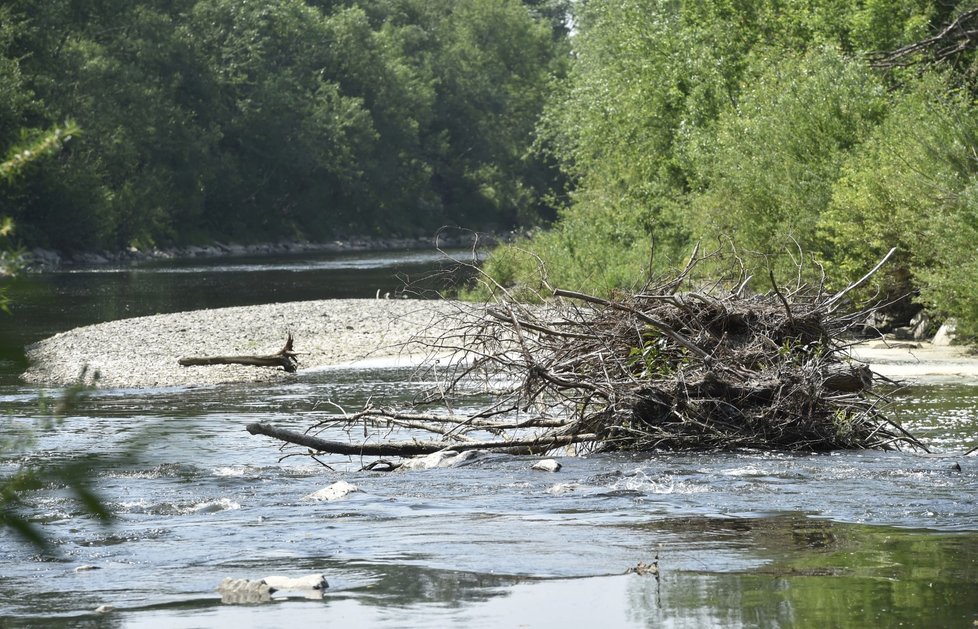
(849, 539)
(944, 414)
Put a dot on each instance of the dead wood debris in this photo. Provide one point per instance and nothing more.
(705, 368)
(285, 358)
(956, 37)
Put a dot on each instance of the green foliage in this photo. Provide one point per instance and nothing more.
(765, 170)
(888, 24)
(597, 252)
(759, 123)
(911, 185)
(645, 76)
(950, 284)
(33, 148)
(493, 70)
(254, 120)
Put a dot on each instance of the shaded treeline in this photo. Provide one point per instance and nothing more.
(254, 120)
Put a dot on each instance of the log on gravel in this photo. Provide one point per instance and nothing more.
(285, 358)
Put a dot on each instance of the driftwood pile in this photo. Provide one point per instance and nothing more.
(670, 367)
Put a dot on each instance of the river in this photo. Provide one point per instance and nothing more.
(849, 539)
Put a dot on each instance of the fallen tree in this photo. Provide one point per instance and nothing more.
(674, 366)
(284, 358)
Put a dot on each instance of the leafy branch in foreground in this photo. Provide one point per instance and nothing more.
(33, 148)
(74, 474)
(30, 150)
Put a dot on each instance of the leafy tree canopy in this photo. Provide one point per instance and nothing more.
(251, 120)
(840, 128)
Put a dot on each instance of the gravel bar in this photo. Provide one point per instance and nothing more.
(143, 352)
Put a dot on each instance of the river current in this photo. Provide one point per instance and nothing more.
(848, 539)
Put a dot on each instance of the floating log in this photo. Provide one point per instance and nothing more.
(285, 358)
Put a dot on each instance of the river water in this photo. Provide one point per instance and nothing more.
(750, 539)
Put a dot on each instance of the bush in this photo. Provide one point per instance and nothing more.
(765, 173)
(912, 186)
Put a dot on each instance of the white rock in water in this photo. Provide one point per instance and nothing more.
(104, 609)
(445, 458)
(86, 568)
(546, 465)
(308, 582)
(337, 491)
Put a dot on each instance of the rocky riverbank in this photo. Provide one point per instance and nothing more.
(143, 352)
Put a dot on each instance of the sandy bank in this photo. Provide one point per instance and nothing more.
(143, 352)
(919, 361)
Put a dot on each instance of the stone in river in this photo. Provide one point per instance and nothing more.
(337, 491)
(546, 465)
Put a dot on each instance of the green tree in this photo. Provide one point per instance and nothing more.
(242, 119)
(493, 67)
(643, 79)
(687, 120)
(912, 186)
(287, 133)
(766, 169)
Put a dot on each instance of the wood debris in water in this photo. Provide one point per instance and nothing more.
(670, 367)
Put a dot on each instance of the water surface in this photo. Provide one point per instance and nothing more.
(849, 539)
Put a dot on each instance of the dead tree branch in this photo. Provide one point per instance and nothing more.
(958, 36)
(284, 358)
(414, 448)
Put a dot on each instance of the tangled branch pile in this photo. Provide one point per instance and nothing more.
(663, 368)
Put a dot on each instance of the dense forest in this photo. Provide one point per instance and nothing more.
(253, 120)
(792, 129)
(616, 135)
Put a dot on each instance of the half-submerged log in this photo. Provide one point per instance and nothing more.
(284, 358)
(413, 448)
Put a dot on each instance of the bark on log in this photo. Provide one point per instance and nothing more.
(285, 358)
(414, 448)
